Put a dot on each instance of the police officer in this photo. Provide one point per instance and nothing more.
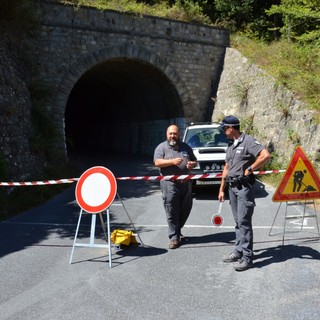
(244, 155)
(175, 157)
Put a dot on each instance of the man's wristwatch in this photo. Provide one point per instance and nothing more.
(250, 169)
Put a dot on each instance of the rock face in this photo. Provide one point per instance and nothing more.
(271, 112)
(17, 161)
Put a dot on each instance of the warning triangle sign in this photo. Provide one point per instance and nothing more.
(300, 181)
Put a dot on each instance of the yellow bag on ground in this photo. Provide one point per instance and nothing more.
(123, 237)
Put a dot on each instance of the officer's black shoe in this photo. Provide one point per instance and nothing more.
(243, 265)
(232, 257)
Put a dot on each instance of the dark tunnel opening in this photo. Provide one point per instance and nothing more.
(120, 105)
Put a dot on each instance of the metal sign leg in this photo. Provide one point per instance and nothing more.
(76, 235)
(92, 243)
(302, 216)
(103, 226)
(131, 222)
(109, 239)
(274, 220)
(93, 229)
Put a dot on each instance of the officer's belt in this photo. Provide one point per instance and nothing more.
(240, 181)
(232, 181)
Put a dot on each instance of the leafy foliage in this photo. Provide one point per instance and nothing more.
(295, 66)
(185, 10)
(300, 19)
(14, 200)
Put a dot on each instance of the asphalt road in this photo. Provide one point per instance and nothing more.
(151, 281)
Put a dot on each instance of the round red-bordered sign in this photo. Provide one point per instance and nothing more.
(96, 189)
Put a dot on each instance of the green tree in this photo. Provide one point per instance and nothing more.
(247, 16)
(300, 20)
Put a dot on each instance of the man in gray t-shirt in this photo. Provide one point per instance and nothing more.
(174, 157)
(243, 156)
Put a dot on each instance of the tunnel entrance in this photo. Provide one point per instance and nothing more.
(121, 105)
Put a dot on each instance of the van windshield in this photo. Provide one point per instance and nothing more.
(206, 137)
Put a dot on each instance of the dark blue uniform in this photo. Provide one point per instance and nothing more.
(239, 157)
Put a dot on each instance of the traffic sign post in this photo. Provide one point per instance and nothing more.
(299, 185)
(95, 192)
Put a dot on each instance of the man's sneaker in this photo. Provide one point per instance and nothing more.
(173, 244)
(182, 238)
(243, 265)
(232, 257)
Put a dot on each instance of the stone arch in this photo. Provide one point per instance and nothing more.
(86, 62)
(103, 55)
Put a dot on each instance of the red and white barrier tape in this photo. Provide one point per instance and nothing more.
(191, 177)
(37, 183)
(143, 178)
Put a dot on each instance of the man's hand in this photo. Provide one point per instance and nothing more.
(177, 161)
(163, 163)
(221, 196)
(191, 164)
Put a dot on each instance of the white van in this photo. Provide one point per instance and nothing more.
(209, 144)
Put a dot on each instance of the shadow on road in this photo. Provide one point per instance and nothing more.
(211, 193)
(223, 237)
(123, 165)
(140, 251)
(126, 254)
(59, 215)
(265, 257)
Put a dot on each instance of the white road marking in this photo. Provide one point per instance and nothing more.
(148, 225)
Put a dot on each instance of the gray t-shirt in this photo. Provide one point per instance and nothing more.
(181, 150)
(240, 156)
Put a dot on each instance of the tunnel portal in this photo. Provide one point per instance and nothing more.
(121, 105)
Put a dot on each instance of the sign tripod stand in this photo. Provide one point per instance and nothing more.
(95, 193)
(303, 216)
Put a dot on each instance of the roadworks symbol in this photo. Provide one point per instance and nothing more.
(300, 181)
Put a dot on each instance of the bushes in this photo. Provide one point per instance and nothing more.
(185, 10)
(294, 65)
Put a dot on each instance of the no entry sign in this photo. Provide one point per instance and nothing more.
(96, 189)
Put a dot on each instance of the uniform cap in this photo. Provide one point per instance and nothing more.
(230, 121)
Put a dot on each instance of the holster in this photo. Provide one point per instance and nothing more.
(247, 181)
(238, 182)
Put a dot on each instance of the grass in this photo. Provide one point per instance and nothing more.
(181, 10)
(14, 200)
(295, 66)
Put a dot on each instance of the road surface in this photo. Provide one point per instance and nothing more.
(151, 281)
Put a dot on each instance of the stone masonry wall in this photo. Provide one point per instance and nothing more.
(73, 40)
(17, 161)
(280, 121)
